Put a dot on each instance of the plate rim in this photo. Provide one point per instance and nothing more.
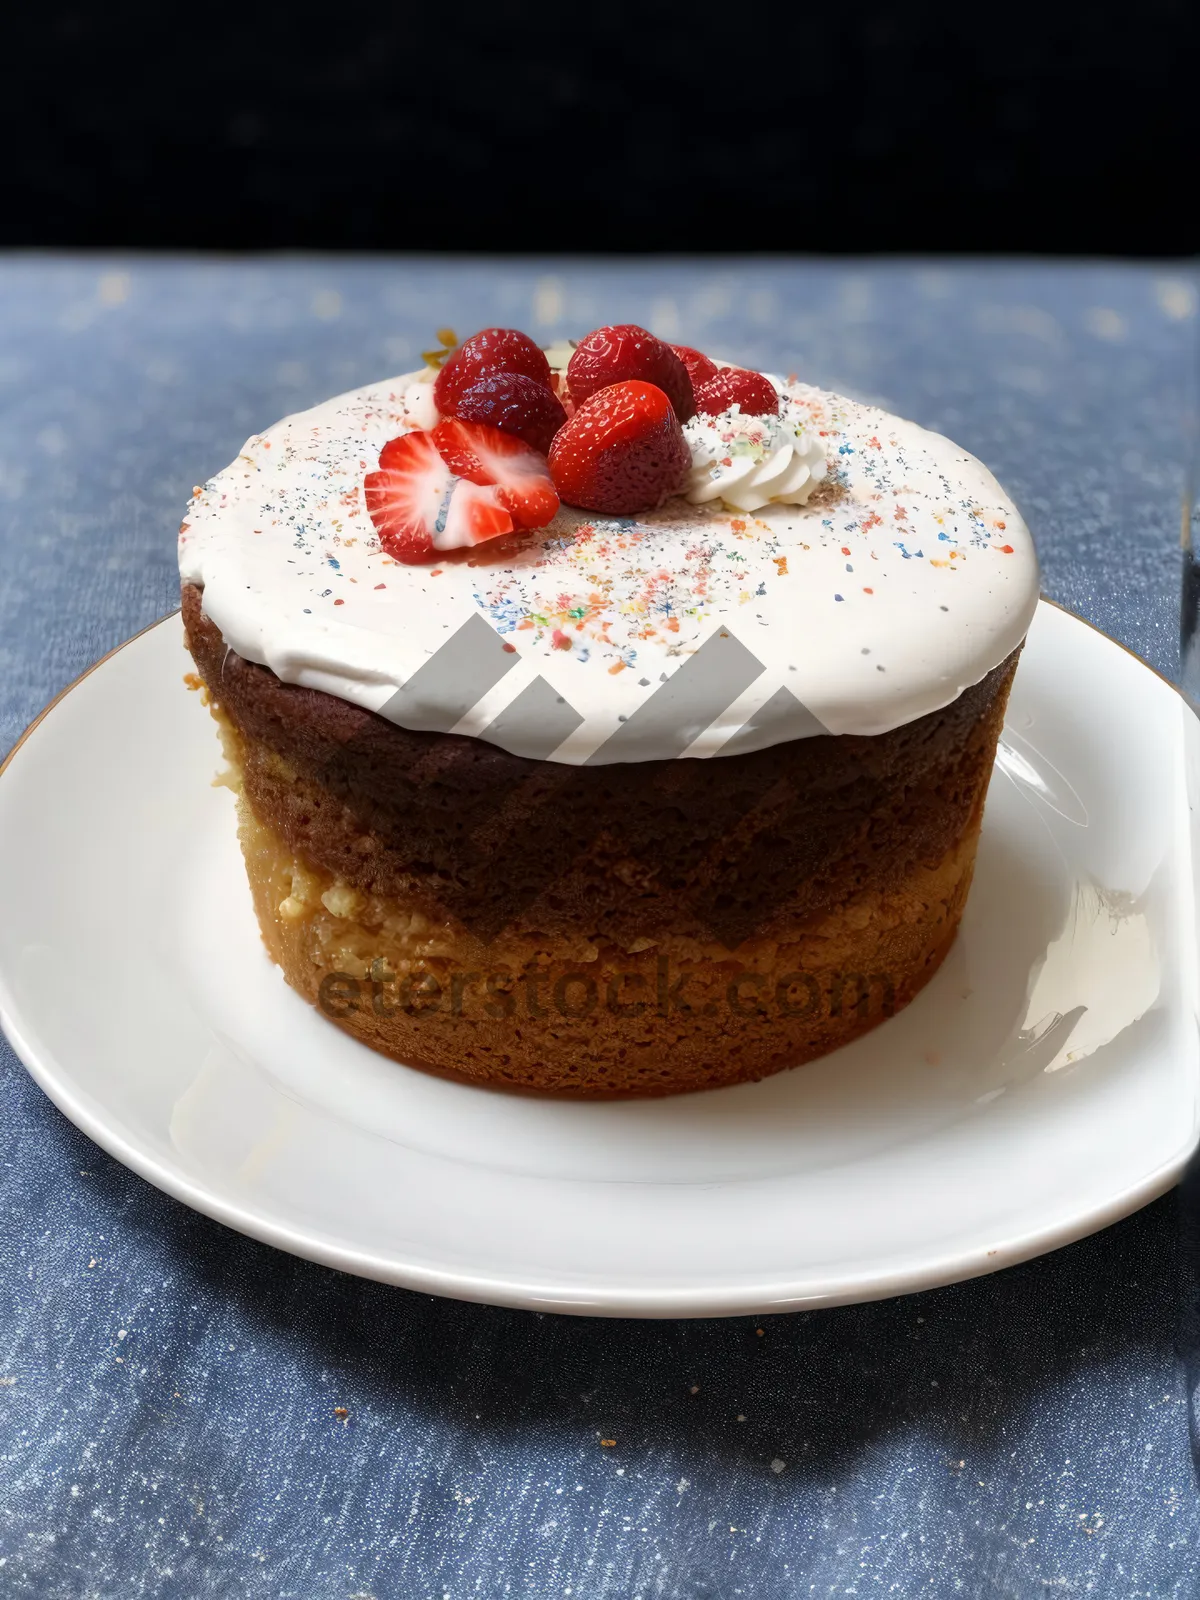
(614, 1299)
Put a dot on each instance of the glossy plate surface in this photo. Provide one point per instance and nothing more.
(1044, 1084)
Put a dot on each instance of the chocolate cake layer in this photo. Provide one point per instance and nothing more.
(716, 850)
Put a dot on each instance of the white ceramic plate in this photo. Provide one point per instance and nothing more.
(1044, 1084)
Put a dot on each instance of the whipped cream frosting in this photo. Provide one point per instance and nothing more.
(748, 462)
(904, 576)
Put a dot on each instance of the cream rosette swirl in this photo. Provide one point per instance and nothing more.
(749, 462)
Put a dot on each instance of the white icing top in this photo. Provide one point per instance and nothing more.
(751, 462)
(694, 630)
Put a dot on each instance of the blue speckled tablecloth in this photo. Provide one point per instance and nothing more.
(168, 1389)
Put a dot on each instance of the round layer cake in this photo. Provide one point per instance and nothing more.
(626, 804)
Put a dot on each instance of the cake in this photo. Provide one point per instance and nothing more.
(605, 721)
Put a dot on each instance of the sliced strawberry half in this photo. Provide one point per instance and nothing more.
(485, 455)
(420, 507)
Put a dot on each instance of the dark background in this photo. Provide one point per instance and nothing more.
(876, 127)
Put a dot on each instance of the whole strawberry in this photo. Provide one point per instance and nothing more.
(514, 403)
(617, 354)
(755, 395)
(622, 452)
(493, 350)
(699, 368)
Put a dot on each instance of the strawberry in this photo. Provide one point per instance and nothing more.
(485, 455)
(623, 451)
(493, 350)
(514, 403)
(699, 368)
(614, 355)
(420, 508)
(735, 386)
